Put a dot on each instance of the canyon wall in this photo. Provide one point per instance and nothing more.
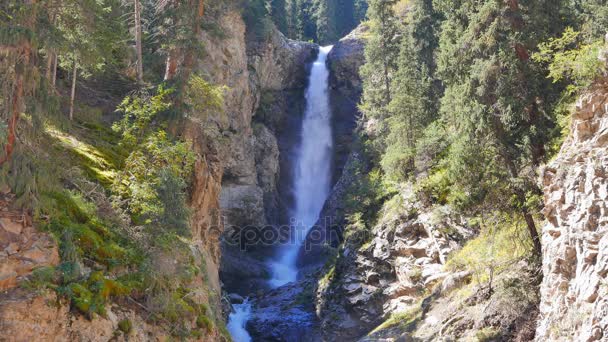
(235, 185)
(574, 290)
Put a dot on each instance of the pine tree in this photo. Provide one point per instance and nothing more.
(414, 104)
(278, 13)
(381, 53)
(16, 46)
(497, 99)
(137, 9)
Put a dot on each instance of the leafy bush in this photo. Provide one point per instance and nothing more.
(569, 58)
(502, 242)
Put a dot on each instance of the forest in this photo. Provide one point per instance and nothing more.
(114, 129)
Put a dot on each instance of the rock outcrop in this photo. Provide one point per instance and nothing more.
(286, 314)
(28, 317)
(236, 192)
(345, 60)
(22, 247)
(574, 295)
(392, 272)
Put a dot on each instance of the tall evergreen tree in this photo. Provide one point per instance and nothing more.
(278, 13)
(497, 99)
(381, 53)
(416, 91)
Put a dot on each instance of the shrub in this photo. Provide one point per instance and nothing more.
(502, 242)
(568, 57)
(125, 326)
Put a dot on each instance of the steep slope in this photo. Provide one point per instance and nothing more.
(235, 181)
(575, 243)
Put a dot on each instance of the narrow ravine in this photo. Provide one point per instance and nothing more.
(311, 186)
(312, 174)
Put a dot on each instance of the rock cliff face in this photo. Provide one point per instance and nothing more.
(345, 60)
(22, 247)
(575, 244)
(390, 274)
(238, 168)
(28, 317)
(235, 184)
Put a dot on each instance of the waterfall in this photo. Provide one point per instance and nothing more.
(238, 320)
(312, 172)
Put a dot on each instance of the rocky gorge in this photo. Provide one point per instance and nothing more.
(395, 281)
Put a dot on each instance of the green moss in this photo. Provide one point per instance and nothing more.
(502, 241)
(404, 319)
(41, 278)
(488, 334)
(203, 322)
(125, 326)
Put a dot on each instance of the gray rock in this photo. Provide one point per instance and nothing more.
(235, 298)
(574, 302)
(286, 314)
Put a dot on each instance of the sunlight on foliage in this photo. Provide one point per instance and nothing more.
(502, 242)
(569, 58)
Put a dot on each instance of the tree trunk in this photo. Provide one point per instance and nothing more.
(138, 46)
(73, 95)
(517, 191)
(22, 63)
(54, 77)
(533, 232)
(171, 66)
(49, 65)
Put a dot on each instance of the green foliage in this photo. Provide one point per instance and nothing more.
(593, 18)
(257, 19)
(502, 242)
(414, 104)
(488, 334)
(569, 58)
(278, 13)
(202, 96)
(126, 326)
(152, 185)
(402, 319)
(138, 112)
(381, 52)
(364, 196)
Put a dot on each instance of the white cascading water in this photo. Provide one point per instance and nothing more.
(238, 320)
(312, 179)
(312, 174)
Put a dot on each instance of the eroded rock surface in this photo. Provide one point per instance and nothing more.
(392, 272)
(345, 60)
(575, 244)
(28, 317)
(22, 247)
(286, 314)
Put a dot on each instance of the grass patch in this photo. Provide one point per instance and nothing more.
(503, 241)
(404, 320)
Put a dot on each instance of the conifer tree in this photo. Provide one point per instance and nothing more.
(381, 53)
(416, 91)
(497, 99)
(278, 13)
